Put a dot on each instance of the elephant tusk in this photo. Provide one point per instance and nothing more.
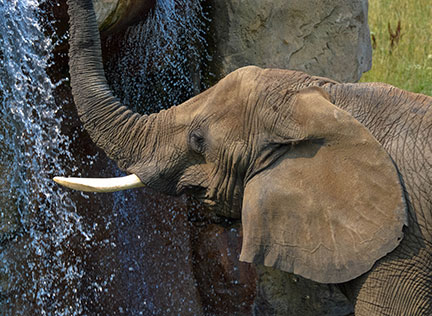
(101, 184)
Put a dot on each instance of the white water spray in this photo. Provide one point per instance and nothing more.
(37, 221)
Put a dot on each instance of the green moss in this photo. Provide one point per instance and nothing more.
(114, 16)
(408, 64)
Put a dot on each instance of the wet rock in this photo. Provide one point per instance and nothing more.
(9, 220)
(226, 285)
(115, 15)
(324, 38)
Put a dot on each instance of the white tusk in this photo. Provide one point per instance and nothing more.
(101, 184)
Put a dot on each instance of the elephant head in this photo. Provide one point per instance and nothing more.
(316, 192)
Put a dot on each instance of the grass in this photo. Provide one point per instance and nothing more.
(407, 63)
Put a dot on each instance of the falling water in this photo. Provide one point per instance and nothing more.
(53, 261)
(161, 61)
(37, 221)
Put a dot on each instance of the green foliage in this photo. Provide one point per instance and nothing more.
(405, 59)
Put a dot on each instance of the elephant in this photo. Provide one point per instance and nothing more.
(331, 181)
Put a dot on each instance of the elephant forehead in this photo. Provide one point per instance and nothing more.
(226, 100)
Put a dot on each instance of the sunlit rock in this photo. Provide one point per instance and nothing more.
(324, 38)
(105, 8)
(113, 15)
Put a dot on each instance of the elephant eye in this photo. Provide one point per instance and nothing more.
(196, 142)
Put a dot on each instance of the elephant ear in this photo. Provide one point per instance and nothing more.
(329, 206)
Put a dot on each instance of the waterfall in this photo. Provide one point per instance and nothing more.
(37, 220)
(108, 262)
(160, 62)
(154, 65)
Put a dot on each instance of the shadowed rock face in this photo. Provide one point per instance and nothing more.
(226, 285)
(116, 15)
(113, 16)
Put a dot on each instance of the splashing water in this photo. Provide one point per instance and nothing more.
(157, 64)
(37, 221)
(161, 61)
(45, 265)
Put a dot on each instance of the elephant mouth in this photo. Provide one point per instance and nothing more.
(217, 210)
(201, 195)
(197, 191)
(218, 201)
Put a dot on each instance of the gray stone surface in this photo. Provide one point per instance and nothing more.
(115, 15)
(104, 8)
(321, 37)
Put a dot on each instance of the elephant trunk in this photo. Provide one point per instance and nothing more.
(104, 118)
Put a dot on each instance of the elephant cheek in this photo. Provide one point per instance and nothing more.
(228, 204)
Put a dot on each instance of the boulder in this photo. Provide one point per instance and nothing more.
(115, 15)
(324, 38)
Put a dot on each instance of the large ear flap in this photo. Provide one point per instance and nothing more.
(331, 205)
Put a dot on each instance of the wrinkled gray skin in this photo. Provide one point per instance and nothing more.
(253, 125)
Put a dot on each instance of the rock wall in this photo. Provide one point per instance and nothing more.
(116, 15)
(321, 37)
